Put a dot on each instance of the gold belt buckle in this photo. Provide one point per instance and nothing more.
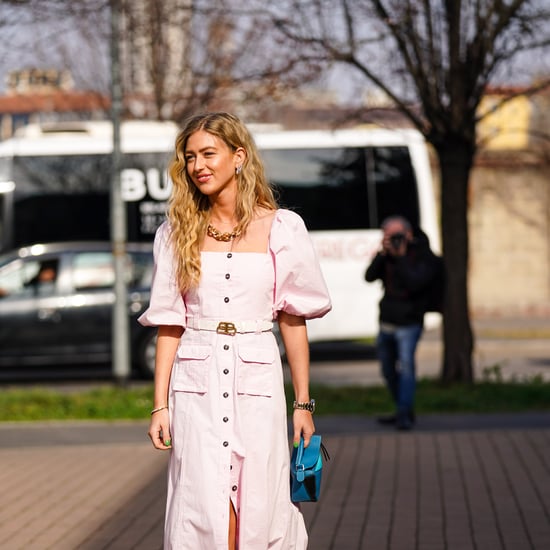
(225, 327)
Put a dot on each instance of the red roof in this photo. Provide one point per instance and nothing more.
(58, 101)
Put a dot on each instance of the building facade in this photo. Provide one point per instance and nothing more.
(509, 211)
(42, 96)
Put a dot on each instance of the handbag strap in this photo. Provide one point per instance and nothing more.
(326, 456)
(301, 448)
(316, 448)
(300, 455)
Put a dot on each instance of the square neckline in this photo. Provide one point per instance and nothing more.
(266, 252)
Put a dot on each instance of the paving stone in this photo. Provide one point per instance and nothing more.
(470, 485)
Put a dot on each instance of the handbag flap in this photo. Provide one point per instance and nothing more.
(309, 456)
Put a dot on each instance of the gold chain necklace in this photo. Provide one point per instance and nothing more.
(211, 231)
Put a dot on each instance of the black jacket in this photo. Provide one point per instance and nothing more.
(406, 282)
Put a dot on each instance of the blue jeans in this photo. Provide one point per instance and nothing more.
(396, 351)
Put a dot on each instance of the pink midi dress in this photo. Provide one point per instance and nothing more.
(226, 398)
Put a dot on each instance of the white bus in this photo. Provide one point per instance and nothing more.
(344, 184)
(54, 186)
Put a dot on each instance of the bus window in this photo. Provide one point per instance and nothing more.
(61, 173)
(66, 197)
(346, 187)
(53, 217)
(396, 188)
(325, 186)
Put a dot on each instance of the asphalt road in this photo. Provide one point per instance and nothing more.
(339, 363)
(517, 348)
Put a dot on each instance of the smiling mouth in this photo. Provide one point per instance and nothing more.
(203, 178)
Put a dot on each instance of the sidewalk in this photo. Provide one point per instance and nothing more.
(457, 482)
(517, 349)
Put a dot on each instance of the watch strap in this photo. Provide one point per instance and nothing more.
(307, 406)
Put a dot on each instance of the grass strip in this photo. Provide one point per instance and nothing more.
(434, 397)
(114, 403)
(104, 403)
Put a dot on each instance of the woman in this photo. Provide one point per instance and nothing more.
(227, 263)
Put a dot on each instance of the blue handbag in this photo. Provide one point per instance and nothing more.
(306, 467)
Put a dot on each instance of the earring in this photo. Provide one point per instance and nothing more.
(239, 169)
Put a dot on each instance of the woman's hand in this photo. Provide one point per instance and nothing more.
(159, 430)
(167, 344)
(303, 426)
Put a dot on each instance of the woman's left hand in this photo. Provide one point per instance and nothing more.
(303, 426)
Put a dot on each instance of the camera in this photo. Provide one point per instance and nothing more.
(397, 239)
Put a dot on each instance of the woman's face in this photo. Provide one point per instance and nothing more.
(211, 163)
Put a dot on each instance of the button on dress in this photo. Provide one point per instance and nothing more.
(226, 398)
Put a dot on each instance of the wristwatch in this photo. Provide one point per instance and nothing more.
(309, 406)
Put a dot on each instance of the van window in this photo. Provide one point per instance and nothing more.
(96, 270)
(93, 270)
(140, 272)
(29, 278)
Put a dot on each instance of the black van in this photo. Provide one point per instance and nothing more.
(56, 304)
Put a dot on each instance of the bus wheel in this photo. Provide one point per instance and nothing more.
(147, 353)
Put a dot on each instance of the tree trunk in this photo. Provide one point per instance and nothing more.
(455, 161)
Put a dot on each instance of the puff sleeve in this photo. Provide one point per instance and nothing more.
(166, 306)
(300, 288)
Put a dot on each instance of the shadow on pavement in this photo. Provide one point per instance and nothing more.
(359, 424)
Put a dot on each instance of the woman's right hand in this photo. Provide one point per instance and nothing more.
(159, 430)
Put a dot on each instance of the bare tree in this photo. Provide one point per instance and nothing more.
(192, 55)
(433, 59)
(177, 56)
(57, 34)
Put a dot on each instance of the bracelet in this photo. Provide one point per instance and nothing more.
(159, 409)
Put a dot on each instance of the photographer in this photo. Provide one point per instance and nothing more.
(405, 266)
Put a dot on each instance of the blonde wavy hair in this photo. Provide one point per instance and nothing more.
(189, 209)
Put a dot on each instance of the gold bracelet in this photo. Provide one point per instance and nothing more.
(159, 409)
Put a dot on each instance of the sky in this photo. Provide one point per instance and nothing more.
(24, 43)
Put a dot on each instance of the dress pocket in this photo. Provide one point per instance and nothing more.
(191, 368)
(255, 371)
